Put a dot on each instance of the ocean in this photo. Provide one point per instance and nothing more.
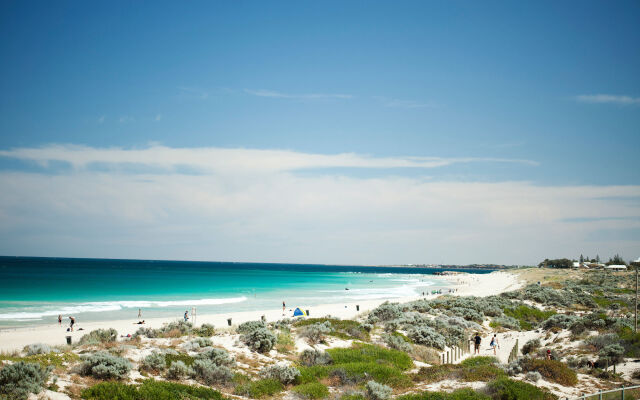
(35, 290)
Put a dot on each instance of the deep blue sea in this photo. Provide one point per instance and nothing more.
(36, 290)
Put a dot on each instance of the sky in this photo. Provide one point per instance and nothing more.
(361, 132)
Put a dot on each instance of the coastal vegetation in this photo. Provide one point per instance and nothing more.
(575, 333)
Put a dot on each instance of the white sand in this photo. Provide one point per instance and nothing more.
(467, 285)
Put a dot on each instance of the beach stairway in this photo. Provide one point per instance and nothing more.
(508, 351)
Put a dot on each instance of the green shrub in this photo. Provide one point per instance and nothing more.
(154, 362)
(315, 333)
(170, 358)
(178, 370)
(218, 357)
(361, 371)
(482, 373)
(480, 360)
(397, 343)
(19, 379)
(210, 373)
(427, 336)
(103, 365)
(377, 391)
(551, 370)
(370, 353)
(313, 390)
(100, 336)
(250, 326)
(197, 343)
(527, 316)
(205, 330)
(45, 360)
(259, 389)
(311, 357)
(508, 389)
(261, 340)
(312, 373)
(342, 328)
(149, 390)
(281, 372)
(459, 394)
(531, 346)
(37, 348)
(352, 396)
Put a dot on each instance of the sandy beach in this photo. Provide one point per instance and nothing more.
(52, 334)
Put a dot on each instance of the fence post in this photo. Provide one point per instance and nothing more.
(600, 396)
(448, 359)
(622, 392)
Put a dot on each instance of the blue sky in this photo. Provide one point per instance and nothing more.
(538, 97)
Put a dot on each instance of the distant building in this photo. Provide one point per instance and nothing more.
(616, 267)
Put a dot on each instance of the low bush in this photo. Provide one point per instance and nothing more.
(210, 373)
(218, 357)
(531, 346)
(357, 372)
(505, 322)
(316, 332)
(397, 343)
(261, 340)
(102, 365)
(281, 372)
(100, 336)
(313, 390)
(371, 353)
(178, 370)
(205, 330)
(561, 321)
(352, 396)
(259, 389)
(148, 390)
(479, 360)
(483, 369)
(285, 342)
(197, 343)
(170, 358)
(154, 362)
(19, 379)
(37, 348)
(533, 376)
(459, 394)
(527, 317)
(386, 312)
(551, 370)
(508, 389)
(250, 326)
(377, 391)
(427, 336)
(311, 357)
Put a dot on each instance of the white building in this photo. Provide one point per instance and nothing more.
(616, 267)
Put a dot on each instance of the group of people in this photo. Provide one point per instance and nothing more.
(72, 322)
(477, 340)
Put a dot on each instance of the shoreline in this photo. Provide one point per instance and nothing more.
(52, 334)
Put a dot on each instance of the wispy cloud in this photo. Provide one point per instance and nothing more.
(193, 92)
(398, 103)
(308, 96)
(126, 119)
(607, 99)
(213, 159)
(158, 117)
(250, 205)
(101, 119)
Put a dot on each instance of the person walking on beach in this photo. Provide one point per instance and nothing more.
(477, 340)
(494, 343)
(59, 320)
(139, 313)
(72, 322)
(186, 315)
(283, 307)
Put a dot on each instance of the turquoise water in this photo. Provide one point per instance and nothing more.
(36, 290)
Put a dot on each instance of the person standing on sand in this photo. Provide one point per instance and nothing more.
(283, 307)
(494, 343)
(476, 341)
(186, 315)
(72, 322)
(139, 313)
(59, 320)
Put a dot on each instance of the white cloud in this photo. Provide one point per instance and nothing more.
(158, 117)
(193, 92)
(607, 98)
(250, 205)
(126, 119)
(308, 96)
(214, 159)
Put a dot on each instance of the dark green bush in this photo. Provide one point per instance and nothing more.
(551, 370)
(100, 336)
(103, 365)
(19, 379)
(459, 394)
(527, 316)
(149, 390)
(185, 358)
(371, 353)
(508, 389)
(259, 389)
(313, 390)
(480, 360)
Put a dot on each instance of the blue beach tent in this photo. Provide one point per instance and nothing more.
(299, 313)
